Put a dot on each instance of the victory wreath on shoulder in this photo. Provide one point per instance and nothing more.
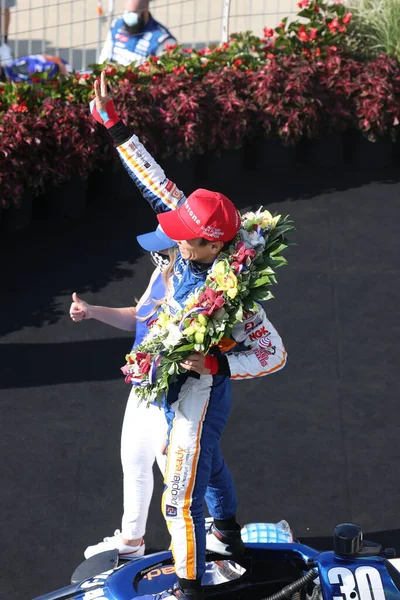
(238, 279)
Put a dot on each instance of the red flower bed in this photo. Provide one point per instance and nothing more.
(181, 114)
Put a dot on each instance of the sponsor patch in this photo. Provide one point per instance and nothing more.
(248, 315)
(177, 194)
(171, 511)
(170, 185)
(265, 342)
(157, 572)
(262, 356)
(259, 333)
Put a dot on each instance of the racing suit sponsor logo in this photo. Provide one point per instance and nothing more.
(262, 356)
(191, 214)
(171, 511)
(258, 334)
(170, 185)
(248, 315)
(138, 156)
(177, 194)
(157, 572)
(121, 37)
(265, 342)
(252, 324)
(177, 478)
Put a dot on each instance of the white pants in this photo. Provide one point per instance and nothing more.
(143, 434)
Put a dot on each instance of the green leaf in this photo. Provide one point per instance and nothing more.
(261, 294)
(260, 281)
(249, 305)
(278, 249)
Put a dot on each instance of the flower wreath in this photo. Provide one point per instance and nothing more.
(238, 279)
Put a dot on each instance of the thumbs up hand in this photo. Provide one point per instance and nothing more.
(79, 309)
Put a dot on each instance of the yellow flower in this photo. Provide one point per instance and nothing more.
(275, 220)
(199, 337)
(219, 268)
(228, 283)
(202, 320)
(267, 219)
(163, 319)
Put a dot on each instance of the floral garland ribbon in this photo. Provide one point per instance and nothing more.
(237, 281)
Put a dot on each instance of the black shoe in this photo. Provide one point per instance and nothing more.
(227, 543)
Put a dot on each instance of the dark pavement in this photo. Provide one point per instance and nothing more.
(316, 444)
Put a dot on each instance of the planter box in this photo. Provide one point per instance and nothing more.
(370, 156)
(67, 200)
(275, 157)
(221, 171)
(325, 153)
(19, 218)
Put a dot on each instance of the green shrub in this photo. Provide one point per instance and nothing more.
(375, 28)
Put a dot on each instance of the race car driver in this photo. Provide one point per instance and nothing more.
(198, 408)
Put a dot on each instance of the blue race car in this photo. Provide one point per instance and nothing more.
(274, 567)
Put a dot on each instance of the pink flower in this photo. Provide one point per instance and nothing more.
(313, 33)
(347, 18)
(211, 301)
(334, 25)
(303, 3)
(21, 107)
(144, 362)
(242, 256)
(268, 32)
(302, 34)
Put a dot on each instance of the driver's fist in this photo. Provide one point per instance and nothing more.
(79, 309)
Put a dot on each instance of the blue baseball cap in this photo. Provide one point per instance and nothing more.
(155, 241)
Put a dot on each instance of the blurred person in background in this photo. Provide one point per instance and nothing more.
(25, 68)
(135, 36)
(5, 50)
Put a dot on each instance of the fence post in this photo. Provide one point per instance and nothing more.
(226, 9)
(110, 13)
(99, 27)
(3, 30)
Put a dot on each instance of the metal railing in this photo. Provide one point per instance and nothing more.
(76, 29)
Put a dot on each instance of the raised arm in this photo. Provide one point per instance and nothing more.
(161, 193)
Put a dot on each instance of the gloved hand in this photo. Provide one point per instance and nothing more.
(102, 107)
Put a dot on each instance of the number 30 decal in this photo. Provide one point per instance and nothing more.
(364, 584)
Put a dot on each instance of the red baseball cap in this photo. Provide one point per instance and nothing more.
(205, 214)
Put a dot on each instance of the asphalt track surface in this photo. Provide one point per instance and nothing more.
(316, 444)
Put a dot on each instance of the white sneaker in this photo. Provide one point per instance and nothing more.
(115, 543)
(6, 56)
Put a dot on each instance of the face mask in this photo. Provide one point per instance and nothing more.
(131, 18)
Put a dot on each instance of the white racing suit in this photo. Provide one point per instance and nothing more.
(198, 408)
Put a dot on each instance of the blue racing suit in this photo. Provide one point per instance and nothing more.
(124, 48)
(199, 407)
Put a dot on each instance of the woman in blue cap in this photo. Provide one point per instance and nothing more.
(144, 429)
